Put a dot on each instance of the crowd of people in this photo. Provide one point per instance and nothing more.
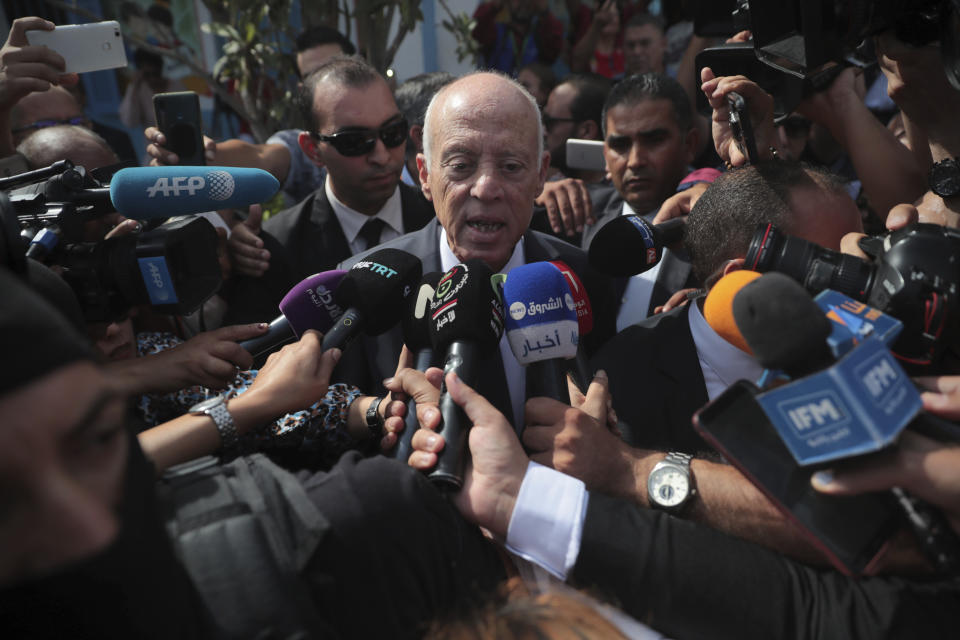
(158, 481)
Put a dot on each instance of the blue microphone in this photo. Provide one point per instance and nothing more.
(161, 192)
(542, 327)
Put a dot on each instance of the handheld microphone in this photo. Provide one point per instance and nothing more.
(578, 368)
(416, 335)
(541, 326)
(628, 245)
(718, 306)
(373, 292)
(466, 322)
(308, 305)
(161, 192)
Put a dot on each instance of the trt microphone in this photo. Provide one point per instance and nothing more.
(308, 305)
(466, 322)
(541, 326)
(416, 335)
(578, 368)
(718, 306)
(628, 245)
(161, 192)
(373, 293)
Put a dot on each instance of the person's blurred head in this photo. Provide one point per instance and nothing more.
(801, 200)
(349, 99)
(42, 109)
(574, 110)
(649, 138)
(644, 44)
(538, 79)
(793, 134)
(150, 66)
(318, 44)
(413, 96)
(483, 164)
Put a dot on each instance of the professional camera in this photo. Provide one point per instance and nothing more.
(797, 43)
(914, 276)
(173, 267)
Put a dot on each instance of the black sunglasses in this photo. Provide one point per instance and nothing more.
(362, 141)
(43, 124)
(549, 121)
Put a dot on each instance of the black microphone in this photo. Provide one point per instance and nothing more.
(466, 322)
(628, 245)
(373, 293)
(308, 305)
(416, 335)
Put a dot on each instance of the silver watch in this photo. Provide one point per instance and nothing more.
(216, 408)
(670, 484)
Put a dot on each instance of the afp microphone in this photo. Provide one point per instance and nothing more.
(466, 322)
(541, 326)
(308, 305)
(628, 245)
(415, 325)
(373, 293)
(144, 193)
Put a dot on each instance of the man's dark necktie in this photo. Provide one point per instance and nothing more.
(370, 232)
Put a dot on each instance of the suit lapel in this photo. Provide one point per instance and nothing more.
(677, 361)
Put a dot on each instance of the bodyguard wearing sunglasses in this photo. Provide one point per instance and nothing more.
(358, 134)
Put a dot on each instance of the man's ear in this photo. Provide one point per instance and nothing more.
(734, 265)
(691, 142)
(416, 134)
(587, 130)
(424, 176)
(309, 147)
(544, 171)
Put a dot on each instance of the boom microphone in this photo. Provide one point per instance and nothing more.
(415, 325)
(466, 322)
(373, 292)
(161, 192)
(308, 305)
(541, 326)
(628, 245)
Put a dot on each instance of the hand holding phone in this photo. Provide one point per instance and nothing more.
(178, 117)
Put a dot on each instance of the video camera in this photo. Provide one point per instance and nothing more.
(173, 267)
(914, 277)
(796, 43)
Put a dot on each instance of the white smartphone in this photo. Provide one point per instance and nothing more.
(585, 154)
(84, 47)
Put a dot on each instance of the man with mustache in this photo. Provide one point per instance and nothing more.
(357, 132)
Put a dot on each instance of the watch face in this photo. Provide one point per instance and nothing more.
(203, 405)
(668, 486)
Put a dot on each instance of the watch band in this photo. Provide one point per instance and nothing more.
(373, 418)
(944, 178)
(216, 408)
(682, 459)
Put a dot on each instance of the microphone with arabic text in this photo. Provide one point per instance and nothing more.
(416, 335)
(308, 305)
(628, 245)
(541, 326)
(466, 323)
(578, 368)
(373, 293)
(145, 193)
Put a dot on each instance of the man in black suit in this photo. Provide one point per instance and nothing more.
(358, 134)
(483, 165)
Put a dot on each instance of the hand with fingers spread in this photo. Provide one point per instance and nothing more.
(245, 247)
(759, 107)
(579, 443)
(568, 205)
(160, 155)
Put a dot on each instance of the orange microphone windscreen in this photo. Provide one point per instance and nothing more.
(718, 307)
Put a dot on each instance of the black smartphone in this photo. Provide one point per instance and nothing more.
(178, 117)
(850, 530)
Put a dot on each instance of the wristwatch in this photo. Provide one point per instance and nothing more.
(374, 419)
(944, 178)
(216, 408)
(670, 484)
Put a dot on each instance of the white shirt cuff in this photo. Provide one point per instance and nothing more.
(547, 521)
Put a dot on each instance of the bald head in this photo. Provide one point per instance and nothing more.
(483, 95)
(56, 103)
(80, 146)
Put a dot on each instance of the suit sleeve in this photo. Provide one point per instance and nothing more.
(690, 581)
(252, 299)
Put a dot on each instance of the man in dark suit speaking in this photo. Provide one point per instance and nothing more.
(482, 167)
